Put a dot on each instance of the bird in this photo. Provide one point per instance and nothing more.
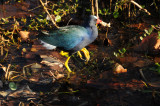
(71, 38)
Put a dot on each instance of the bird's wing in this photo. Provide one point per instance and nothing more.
(66, 37)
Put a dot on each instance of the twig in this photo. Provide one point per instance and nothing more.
(53, 75)
(1, 50)
(140, 7)
(129, 10)
(110, 5)
(97, 8)
(146, 82)
(140, 70)
(92, 8)
(48, 14)
(34, 8)
(24, 73)
(69, 21)
(7, 73)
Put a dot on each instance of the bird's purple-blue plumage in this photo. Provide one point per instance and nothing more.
(72, 37)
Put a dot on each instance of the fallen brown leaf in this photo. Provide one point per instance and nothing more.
(24, 35)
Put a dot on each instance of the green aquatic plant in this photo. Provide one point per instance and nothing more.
(120, 52)
(158, 34)
(156, 68)
(147, 33)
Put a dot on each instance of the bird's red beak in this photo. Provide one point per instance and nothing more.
(98, 21)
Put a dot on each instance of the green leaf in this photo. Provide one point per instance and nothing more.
(115, 14)
(123, 50)
(143, 6)
(88, 10)
(120, 51)
(53, 6)
(55, 12)
(116, 54)
(58, 18)
(146, 31)
(152, 68)
(157, 64)
(150, 30)
(40, 15)
(141, 38)
(100, 12)
(104, 10)
(158, 34)
(12, 86)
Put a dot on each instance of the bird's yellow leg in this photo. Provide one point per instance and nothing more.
(66, 54)
(80, 55)
(66, 65)
(68, 69)
(86, 54)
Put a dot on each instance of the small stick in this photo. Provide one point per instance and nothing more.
(7, 71)
(1, 50)
(92, 8)
(97, 8)
(140, 70)
(110, 5)
(53, 75)
(48, 13)
(140, 7)
(129, 10)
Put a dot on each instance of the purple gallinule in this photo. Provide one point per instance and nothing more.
(72, 38)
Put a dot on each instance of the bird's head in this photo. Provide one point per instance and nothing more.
(95, 19)
(91, 21)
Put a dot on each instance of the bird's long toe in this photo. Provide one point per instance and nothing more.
(67, 67)
(80, 55)
(66, 54)
(86, 54)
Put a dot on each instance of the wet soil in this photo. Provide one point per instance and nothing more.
(94, 83)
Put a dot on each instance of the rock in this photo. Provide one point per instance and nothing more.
(119, 69)
(150, 44)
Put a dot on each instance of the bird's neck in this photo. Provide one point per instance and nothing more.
(93, 32)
